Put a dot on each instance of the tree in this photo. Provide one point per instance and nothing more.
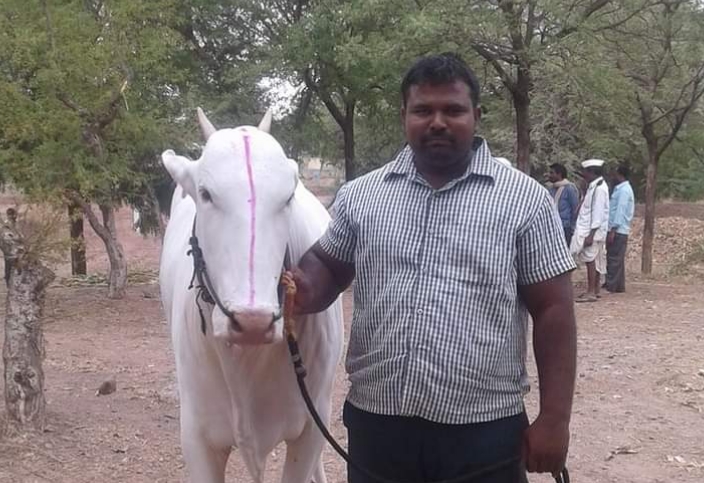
(515, 36)
(660, 57)
(86, 104)
(349, 56)
(23, 350)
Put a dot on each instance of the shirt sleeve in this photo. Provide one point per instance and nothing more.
(340, 239)
(542, 252)
(600, 207)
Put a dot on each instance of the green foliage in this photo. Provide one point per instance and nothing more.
(338, 55)
(88, 95)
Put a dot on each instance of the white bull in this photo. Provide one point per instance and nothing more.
(236, 384)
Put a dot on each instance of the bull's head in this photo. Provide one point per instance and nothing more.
(242, 186)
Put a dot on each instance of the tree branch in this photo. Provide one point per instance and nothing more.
(513, 19)
(531, 22)
(324, 96)
(87, 209)
(591, 9)
(697, 93)
(628, 17)
(695, 83)
(71, 104)
(508, 81)
(112, 108)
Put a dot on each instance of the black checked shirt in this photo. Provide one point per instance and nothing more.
(438, 330)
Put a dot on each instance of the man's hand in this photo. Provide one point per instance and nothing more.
(304, 290)
(545, 445)
(589, 241)
(610, 237)
(319, 280)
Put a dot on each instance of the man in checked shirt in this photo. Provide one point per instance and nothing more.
(450, 251)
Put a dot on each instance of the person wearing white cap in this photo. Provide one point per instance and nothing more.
(589, 239)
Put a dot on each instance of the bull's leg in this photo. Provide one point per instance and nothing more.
(205, 464)
(319, 473)
(255, 463)
(303, 460)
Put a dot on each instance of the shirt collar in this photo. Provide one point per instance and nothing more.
(596, 181)
(621, 185)
(481, 164)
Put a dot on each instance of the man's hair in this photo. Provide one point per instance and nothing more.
(440, 69)
(624, 171)
(559, 169)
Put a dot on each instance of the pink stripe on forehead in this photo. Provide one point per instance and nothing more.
(252, 217)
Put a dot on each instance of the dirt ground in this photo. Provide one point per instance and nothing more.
(638, 416)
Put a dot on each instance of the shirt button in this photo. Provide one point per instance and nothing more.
(419, 311)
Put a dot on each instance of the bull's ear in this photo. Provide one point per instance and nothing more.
(182, 170)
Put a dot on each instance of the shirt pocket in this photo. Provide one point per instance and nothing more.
(479, 255)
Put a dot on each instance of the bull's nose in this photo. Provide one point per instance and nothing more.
(254, 320)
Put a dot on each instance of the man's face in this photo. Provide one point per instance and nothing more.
(553, 176)
(439, 122)
(588, 175)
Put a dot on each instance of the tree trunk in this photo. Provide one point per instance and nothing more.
(348, 137)
(521, 104)
(23, 351)
(107, 231)
(78, 242)
(117, 280)
(646, 265)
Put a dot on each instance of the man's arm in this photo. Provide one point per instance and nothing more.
(551, 306)
(320, 278)
(327, 268)
(544, 286)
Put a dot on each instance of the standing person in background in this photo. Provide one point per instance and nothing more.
(588, 242)
(565, 195)
(621, 208)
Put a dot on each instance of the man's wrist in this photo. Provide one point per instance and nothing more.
(555, 417)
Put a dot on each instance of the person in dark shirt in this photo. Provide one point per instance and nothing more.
(565, 195)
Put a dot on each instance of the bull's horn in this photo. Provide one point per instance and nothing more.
(265, 124)
(206, 127)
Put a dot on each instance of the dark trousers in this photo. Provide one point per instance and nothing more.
(409, 450)
(616, 264)
(569, 231)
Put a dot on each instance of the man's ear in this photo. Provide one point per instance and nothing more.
(477, 113)
(182, 170)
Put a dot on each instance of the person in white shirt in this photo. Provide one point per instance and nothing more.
(589, 239)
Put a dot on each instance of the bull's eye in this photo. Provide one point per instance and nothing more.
(205, 195)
